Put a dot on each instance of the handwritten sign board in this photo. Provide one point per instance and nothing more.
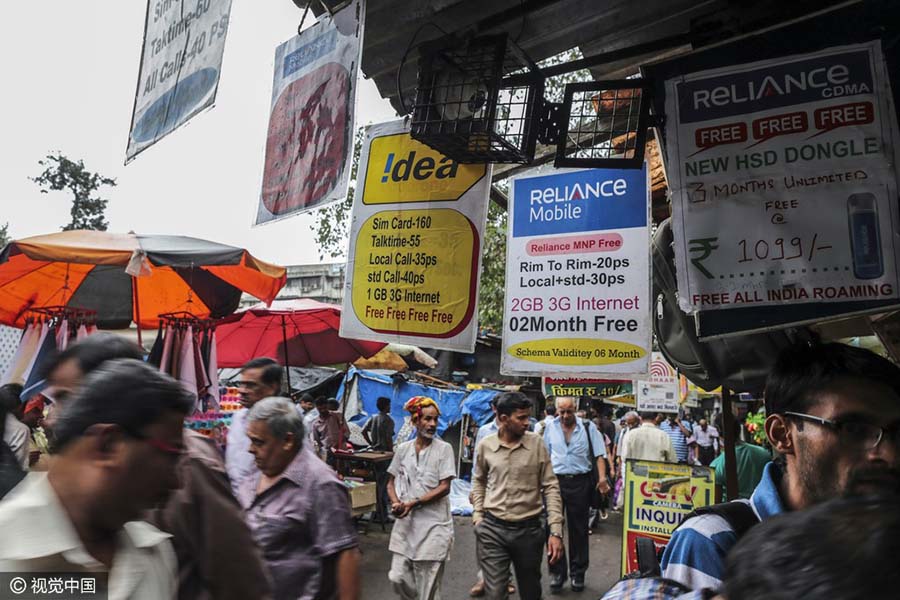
(784, 190)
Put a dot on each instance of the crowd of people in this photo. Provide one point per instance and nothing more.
(98, 475)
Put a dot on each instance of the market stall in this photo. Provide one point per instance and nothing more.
(62, 286)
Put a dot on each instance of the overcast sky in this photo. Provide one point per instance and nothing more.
(70, 71)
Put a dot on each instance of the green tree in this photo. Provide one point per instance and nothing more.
(331, 227)
(492, 293)
(4, 235)
(62, 174)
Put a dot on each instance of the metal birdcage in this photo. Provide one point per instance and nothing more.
(604, 124)
(466, 110)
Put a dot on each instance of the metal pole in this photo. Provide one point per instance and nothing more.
(137, 311)
(287, 362)
(730, 460)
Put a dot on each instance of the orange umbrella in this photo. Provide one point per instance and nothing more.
(129, 278)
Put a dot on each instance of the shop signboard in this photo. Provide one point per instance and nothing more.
(180, 65)
(590, 388)
(578, 274)
(309, 145)
(662, 391)
(415, 244)
(784, 191)
(657, 498)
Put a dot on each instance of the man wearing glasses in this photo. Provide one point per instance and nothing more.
(208, 531)
(259, 378)
(834, 421)
(118, 442)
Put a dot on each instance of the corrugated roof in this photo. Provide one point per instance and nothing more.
(545, 28)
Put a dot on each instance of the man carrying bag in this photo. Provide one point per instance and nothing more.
(578, 455)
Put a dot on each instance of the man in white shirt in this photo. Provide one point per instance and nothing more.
(419, 487)
(648, 442)
(259, 378)
(117, 441)
(707, 438)
(17, 436)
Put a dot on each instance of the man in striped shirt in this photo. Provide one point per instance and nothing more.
(679, 433)
(834, 420)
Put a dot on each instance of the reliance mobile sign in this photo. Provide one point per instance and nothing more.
(577, 274)
(579, 201)
(777, 86)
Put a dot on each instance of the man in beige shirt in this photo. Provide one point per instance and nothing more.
(513, 480)
(648, 442)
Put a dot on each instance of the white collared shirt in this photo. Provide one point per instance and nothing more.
(39, 537)
(239, 463)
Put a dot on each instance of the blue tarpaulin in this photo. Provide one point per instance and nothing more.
(478, 405)
(373, 385)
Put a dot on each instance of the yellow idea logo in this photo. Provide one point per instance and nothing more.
(400, 169)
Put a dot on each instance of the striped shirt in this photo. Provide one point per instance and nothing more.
(652, 588)
(678, 438)
(695, 556)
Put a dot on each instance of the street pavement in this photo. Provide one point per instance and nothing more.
(461, 570)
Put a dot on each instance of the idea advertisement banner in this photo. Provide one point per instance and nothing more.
(590, 388)
(415, 244)
(662, 392)
(657, 497)
(784, 190)
(578, 274)
(180, 65)
(309, 147)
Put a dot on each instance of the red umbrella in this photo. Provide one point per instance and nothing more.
(294, 332)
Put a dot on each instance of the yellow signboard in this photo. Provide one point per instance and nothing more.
(415, 244)
(657, 497)
(399, 169)
(409, 287)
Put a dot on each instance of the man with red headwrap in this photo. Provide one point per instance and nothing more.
(419, 488)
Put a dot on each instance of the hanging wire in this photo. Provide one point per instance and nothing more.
(190, 299)
(406, 54)
(524, 14)
(303, 18)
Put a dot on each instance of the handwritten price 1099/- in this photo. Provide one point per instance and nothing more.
(781, 249)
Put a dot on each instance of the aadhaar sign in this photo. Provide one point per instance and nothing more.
(400, 169)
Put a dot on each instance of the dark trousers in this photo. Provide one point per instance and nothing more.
(500, 544)
(706, 454)
(576, 497)
(382, 500)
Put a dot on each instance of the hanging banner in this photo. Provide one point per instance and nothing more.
(657, 497)
(578, 274)
(415, 244)
(591, 388)
(783, 184)
(309, 148)
(662, 392)
(180, 65)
